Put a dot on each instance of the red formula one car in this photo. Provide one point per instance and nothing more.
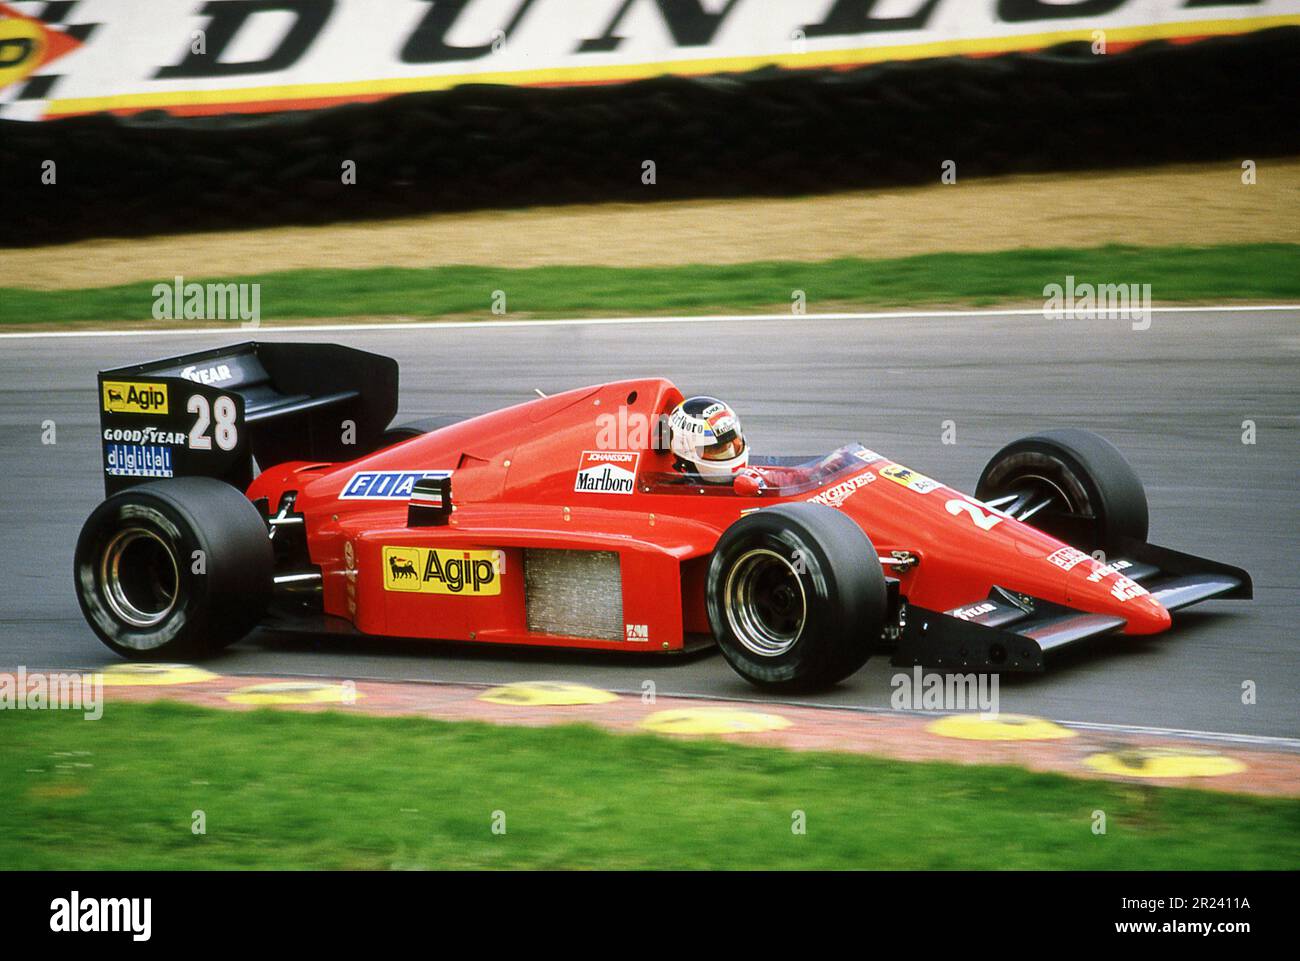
(237, 498)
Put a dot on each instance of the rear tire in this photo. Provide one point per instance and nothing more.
(174, 569)
(796, 597)
(415, 428)
(1095, 498)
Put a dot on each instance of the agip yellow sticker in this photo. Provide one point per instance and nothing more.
(909, 478)
(431, 570)
(121, 397)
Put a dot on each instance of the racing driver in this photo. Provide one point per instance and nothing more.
(709, 446)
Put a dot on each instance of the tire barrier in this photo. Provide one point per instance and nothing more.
(772, 132)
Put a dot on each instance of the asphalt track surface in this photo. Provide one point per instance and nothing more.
(1173, 398)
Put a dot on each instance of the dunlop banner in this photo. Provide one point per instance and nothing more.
(197, 57)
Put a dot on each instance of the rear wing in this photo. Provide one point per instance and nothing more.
(228, 412)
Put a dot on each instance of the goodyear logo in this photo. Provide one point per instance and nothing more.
(430, 570)
(121, 397)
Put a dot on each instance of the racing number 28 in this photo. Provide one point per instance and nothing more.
(226, 432)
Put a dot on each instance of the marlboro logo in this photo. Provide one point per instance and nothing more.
(607, 472)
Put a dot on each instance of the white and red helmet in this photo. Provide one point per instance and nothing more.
(707, 439)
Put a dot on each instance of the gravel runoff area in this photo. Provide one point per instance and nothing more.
(1198, 205)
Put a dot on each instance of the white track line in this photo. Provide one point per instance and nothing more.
(254, 332)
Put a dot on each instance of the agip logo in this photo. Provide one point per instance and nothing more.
(426, 570)
(909, 478)
(121, 397)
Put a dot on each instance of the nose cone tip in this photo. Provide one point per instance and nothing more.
(1146, 615)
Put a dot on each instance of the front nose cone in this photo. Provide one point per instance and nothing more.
(1145, 615)
(1115, 596)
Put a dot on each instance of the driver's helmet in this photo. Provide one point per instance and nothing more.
(707, 439)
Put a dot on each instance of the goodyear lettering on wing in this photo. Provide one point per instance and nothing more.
(145, 435)
(216, 374)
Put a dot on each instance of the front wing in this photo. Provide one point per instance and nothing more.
(1009, 632)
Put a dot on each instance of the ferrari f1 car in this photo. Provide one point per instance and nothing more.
(263, 484)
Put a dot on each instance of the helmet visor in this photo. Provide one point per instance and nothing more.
(732, 445)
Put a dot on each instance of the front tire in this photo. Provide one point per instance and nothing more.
(796, 597)
(1070, 483)
(174, 569)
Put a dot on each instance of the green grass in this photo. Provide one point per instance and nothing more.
(287, 790)
(1242, 272)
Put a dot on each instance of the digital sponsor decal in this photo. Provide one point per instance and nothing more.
(138, 460)
(909, 478)
(216, 374)
(638, 633)
(837, 495)
(607, 472)
(385, 485)
(866, 455)
(431, 570)
(125, 397)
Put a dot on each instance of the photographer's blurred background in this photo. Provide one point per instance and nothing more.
(161, 116)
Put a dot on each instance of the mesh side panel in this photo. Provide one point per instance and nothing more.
(578, 593)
